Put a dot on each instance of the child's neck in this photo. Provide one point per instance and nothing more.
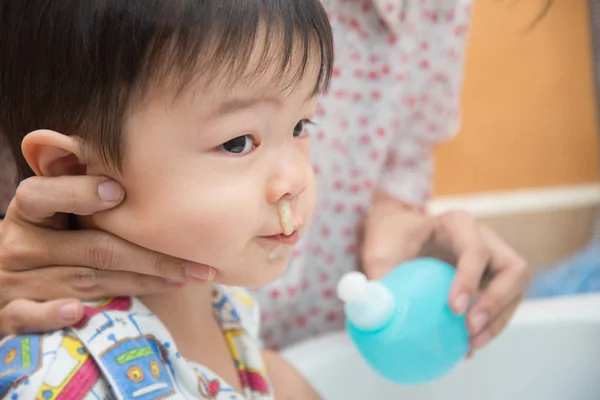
(182, 311)
(188, 315)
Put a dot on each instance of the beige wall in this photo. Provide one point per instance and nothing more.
(529, 108)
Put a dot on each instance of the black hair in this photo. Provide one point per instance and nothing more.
(77, 66)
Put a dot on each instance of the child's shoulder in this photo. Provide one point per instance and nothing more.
(118, 345)
(115, 344)
(48, 366)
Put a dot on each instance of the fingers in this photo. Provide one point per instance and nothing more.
(89, 283)
(52, 283)
(507, 286)
(492, 303)
(495, 326)
(25, 316)
(503, 290)
(102, 264)
(20, 316)
(393, 233)
(392, 236)
(482, 254)
(104, 252)
(38, 198)
(461, 232)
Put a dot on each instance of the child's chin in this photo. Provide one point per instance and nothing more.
(275, 269)
(262, 274)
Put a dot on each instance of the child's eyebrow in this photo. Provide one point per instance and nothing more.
(233, 105)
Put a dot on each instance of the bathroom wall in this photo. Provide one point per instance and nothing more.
(529, 137)
(529, 102)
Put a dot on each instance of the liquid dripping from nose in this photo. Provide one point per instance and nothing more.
(284, 207)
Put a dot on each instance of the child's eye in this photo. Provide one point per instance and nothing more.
(239, 145)
(300, 126)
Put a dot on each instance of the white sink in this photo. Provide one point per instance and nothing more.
(550, 351)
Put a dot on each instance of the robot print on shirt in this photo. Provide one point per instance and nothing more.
(20, 356)
(208, 389)
(137, 367)
(77, 375)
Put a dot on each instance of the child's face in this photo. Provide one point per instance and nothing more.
(204, 175)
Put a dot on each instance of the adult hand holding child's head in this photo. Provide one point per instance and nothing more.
(39, 255)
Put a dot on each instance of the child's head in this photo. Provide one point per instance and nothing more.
(197, 107)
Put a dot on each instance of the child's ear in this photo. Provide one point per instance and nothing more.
(50, 153)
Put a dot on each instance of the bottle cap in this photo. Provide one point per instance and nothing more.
(369, 304)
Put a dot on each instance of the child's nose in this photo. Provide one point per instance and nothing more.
(288, 180)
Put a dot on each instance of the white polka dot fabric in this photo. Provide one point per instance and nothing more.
(395, 94)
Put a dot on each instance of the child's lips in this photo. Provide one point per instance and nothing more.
(283, 239)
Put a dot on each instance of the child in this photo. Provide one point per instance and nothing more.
(211, 97)
(394, 94)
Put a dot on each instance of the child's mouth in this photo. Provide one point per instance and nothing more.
(282, 238)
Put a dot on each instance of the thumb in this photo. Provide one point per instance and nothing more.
(38, 199)
(392, 236)
(26, 316)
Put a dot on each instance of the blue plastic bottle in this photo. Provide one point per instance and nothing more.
(403, 325)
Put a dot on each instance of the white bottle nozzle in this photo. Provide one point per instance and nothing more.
(352, 287)
(369, 304)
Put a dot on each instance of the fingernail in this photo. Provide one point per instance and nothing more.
(69, 312)
(199, 271)
(461, 303)
(478, 322)
(110, 191)
(482, 340)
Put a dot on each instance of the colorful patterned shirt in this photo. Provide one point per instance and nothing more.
(120, 350)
